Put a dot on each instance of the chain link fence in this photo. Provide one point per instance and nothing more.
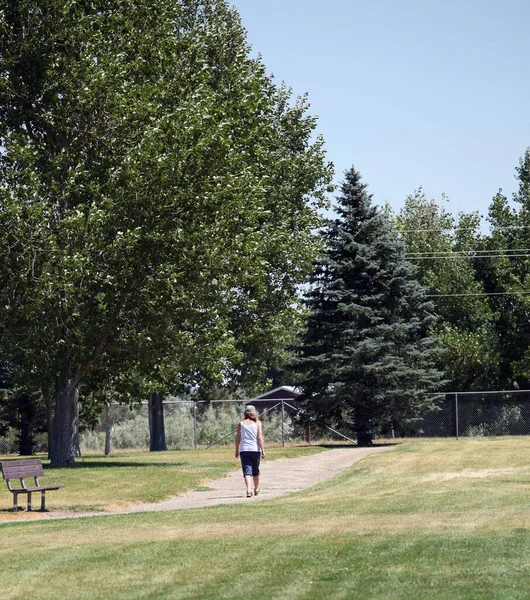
(191, 424)
(187, 424)
(472, 414)
(9, 443)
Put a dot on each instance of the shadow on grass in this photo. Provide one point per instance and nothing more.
(99, 508)
(95, 464)
(378, 445)
(91, 463)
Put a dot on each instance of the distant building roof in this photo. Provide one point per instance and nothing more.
(282, 392)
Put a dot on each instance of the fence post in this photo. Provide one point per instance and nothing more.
(283, 419)
(195, 424)
(108, 428)
(456, 413)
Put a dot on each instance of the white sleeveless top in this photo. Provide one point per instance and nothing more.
(249, 438)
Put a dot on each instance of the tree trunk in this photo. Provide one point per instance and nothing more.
(49, 423)
(364, 438)
(64, 446)
(77, 440)
(108, 428)
(308, 433)
(157, 434)
(25, 437)
(364, 430)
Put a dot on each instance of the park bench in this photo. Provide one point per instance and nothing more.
(20, 469)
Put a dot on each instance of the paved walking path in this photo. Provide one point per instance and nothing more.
(278, 477)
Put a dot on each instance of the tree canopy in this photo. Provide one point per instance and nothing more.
(443, 249)
(154, 182)
(479, 284)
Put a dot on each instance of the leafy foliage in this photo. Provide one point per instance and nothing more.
(445, 252)
(154, 183)
(480, 284)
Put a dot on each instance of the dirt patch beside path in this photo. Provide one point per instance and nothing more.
(278, 477)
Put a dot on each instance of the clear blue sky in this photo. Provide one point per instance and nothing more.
(412, 92)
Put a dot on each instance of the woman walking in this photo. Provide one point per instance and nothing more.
(249, 447)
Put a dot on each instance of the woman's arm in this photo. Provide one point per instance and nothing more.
(238, 439)
(260, 439)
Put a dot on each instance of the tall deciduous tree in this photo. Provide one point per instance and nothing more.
(444, 249)
(506, 276)
(481, 282)
(151, 177)
(366, 357)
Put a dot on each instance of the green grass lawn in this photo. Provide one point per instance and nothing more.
(429, 519)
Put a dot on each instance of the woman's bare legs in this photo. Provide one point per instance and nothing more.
(248, 483)
(252, 480)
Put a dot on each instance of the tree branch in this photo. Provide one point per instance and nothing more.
(97, 352)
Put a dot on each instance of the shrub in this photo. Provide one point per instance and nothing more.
(92, 441)
(133, 433)
(178, 420)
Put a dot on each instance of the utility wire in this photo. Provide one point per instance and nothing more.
(473, 253)
(446, 252)
(466, 256)
(477, 294)
(447, 229)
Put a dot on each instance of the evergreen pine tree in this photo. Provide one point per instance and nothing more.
(366, 359)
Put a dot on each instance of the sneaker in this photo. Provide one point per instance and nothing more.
(256, 492)
(249, 494)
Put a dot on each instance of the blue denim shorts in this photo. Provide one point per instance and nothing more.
(250, 463)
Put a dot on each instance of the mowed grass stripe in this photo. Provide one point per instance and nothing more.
(431, 519)
(300, 566)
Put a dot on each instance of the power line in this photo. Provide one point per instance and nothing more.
(475, 294)
(468, 253)
(443, 229)
(446, 252)
(465, 256)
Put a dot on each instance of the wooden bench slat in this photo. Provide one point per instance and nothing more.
(15, 465)
(17, 472)
(22, 463)
(41, 488)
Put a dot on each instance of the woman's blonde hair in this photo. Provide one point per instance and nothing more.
(251, 413)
